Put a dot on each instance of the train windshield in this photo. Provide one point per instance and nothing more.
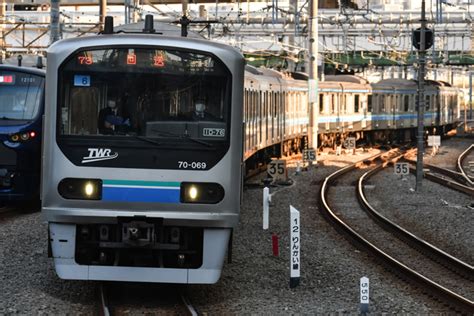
(20, 95)
(145, 93)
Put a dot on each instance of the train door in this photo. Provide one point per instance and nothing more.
(367, 111)
(440, 116)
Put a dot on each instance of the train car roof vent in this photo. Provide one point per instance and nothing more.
(39, 62)
(108, 25)
(149, 24)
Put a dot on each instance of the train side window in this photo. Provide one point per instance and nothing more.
(275, 104)
(333, 103)
(369, 103)
(427, 102)
(383, 100)
(356, 103)
(344, 103)
(321, 103)
(406, 103)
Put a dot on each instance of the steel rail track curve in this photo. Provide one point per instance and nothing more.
(449, 297)
(460, 168)
(453, 263)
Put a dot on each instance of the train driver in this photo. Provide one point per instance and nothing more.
(111, 121)
(200, 113)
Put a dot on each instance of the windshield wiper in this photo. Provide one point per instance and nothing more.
(183, 136)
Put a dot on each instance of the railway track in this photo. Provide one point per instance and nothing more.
(427, 270)
(143, 299)
(461, 164)
(456, 180)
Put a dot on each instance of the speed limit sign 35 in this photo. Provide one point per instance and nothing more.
(277, 170)
(401, 168)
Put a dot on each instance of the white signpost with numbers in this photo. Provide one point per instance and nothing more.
(364, 294)
(401, 168)
(309, 155)
(277, 170)
(350, 143)
(434, 140)
(295, 243)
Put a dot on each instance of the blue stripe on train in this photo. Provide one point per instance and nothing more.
(130, 194)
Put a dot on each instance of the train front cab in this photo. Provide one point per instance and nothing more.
(155, 198)
(21, 110)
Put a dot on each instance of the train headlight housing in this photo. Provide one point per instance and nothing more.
(80, 189)
(201, 192)
(22, 137)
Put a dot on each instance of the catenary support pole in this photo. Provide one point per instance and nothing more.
(54, 22)
(421, 100)
(313, 77)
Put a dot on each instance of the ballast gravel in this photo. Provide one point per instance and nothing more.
(256, 281)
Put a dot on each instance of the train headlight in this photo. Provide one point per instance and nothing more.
(80, 189)
(201, 192)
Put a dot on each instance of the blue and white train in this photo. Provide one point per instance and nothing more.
(142, 156)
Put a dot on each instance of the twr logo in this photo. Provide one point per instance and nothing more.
(99, 154)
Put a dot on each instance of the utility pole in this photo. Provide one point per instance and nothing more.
(313, 77)
(3, 11)
(54, 22)
(102, 13)
(421, 99)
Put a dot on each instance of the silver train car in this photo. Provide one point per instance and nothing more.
(142, 157)
(394, 108)
(276, 114)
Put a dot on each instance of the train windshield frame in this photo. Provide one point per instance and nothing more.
(21, 94)
(142, 97)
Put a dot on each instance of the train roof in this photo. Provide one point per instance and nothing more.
(346, 78)
(399, 82)
(27, 61)
(26, 69)
(395, 83)
(161, 28)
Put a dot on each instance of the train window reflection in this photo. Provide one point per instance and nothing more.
(20, 98)
(144, 92)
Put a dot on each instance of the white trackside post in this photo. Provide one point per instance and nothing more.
(364, 295)
(266, 206)
(294, 247)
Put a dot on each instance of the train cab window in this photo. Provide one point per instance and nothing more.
(21, 94)
(157, 93)
(369, 103)
(356, 103)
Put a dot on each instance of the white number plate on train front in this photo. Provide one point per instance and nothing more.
(213, 132)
